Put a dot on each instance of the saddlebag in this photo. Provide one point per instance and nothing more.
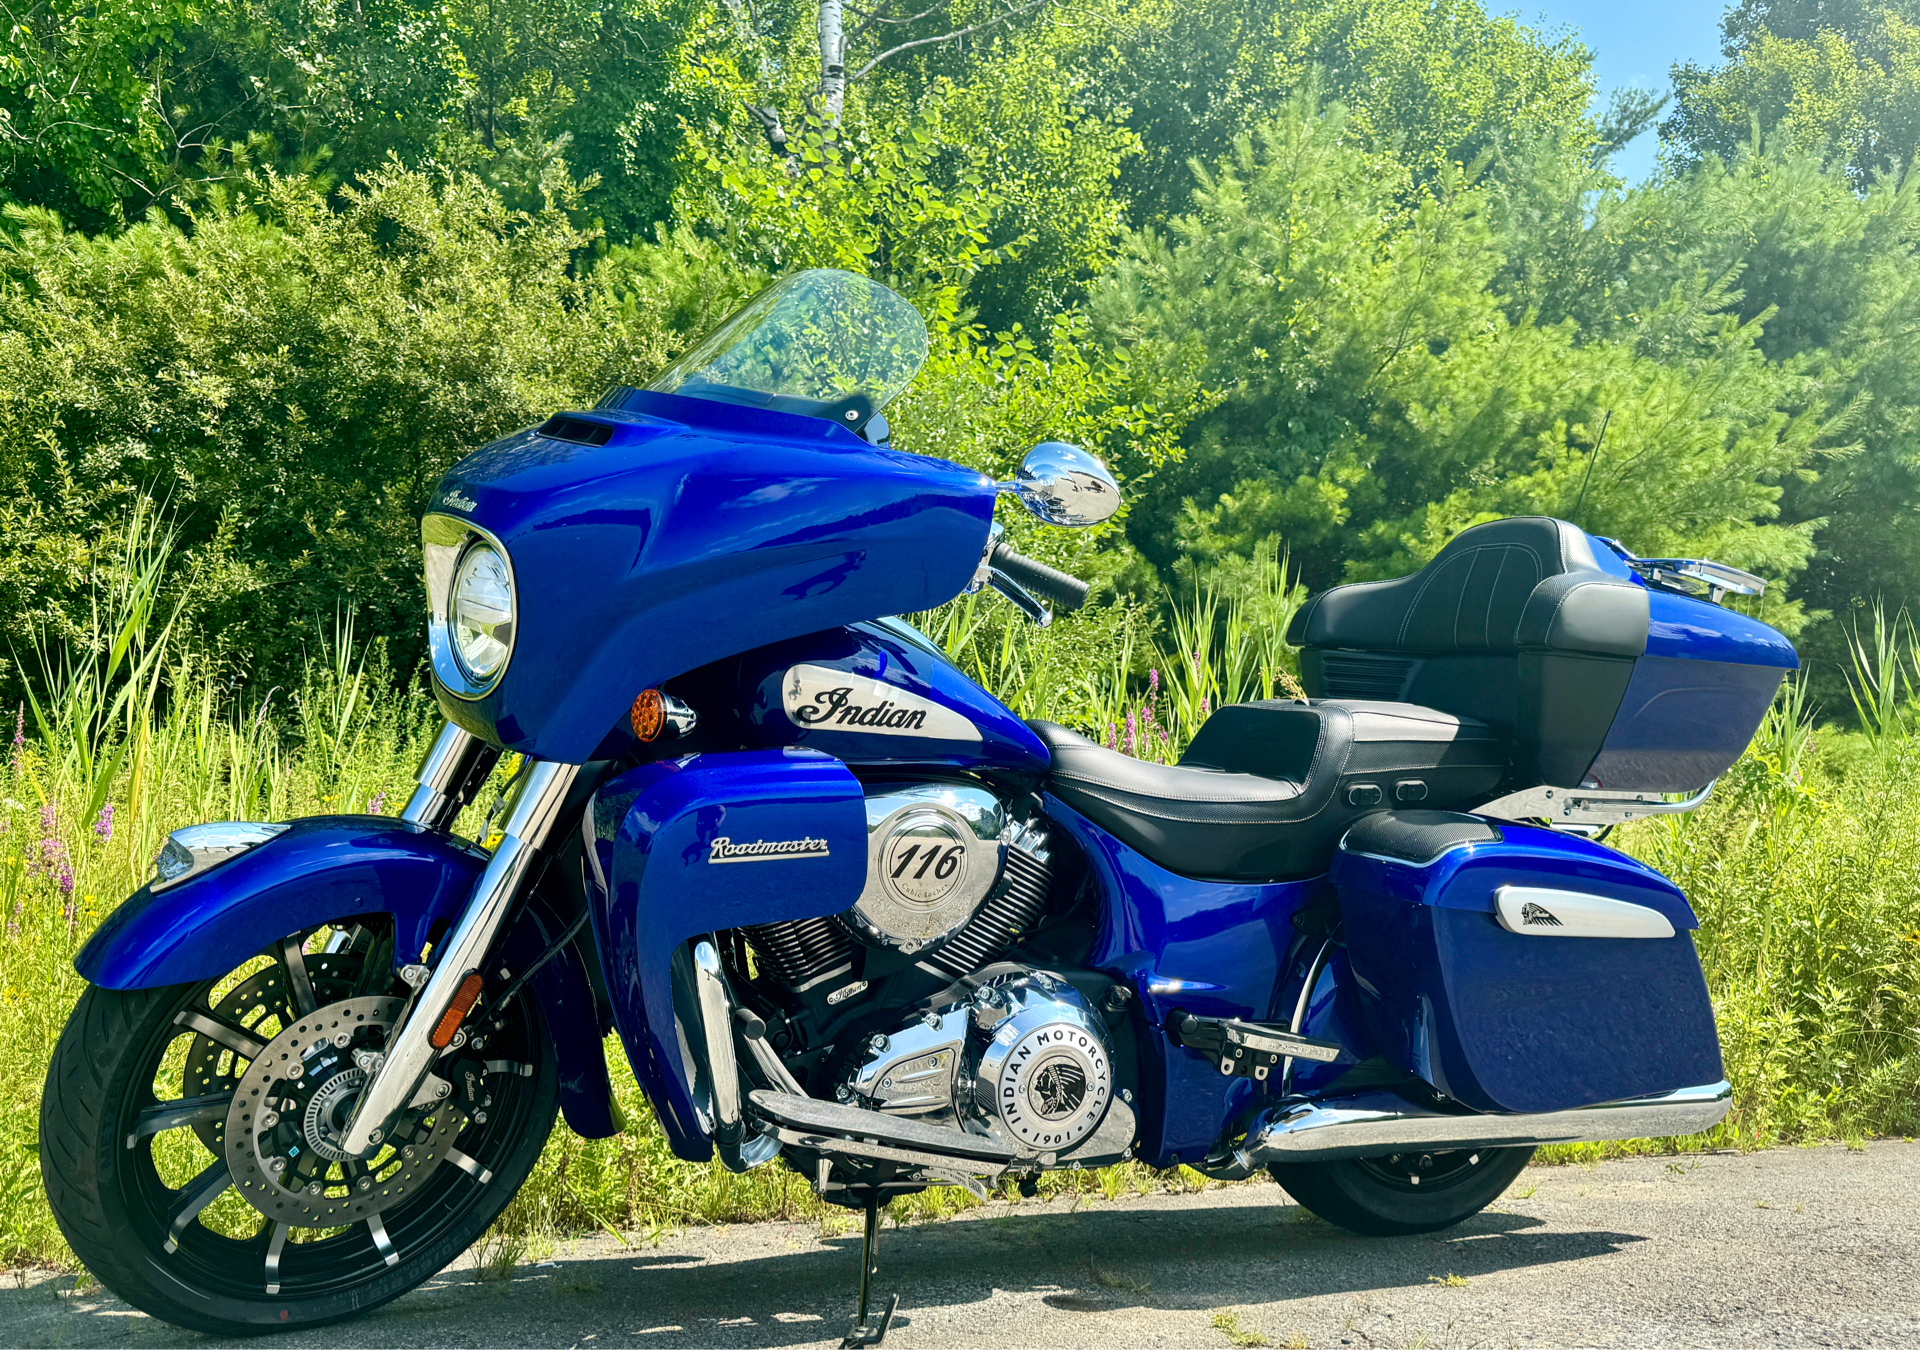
(1520, 970)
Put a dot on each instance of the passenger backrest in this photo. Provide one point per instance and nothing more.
(1515, 623)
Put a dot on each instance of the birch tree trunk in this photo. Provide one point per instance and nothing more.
(833, 70)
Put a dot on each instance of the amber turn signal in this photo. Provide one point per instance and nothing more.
(655, 715)
(648, 717)
(463, 1000)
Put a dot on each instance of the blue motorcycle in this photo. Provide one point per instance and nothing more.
(850, 915)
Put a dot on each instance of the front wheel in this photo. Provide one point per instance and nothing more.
(1402, 1193)
(188, 1140)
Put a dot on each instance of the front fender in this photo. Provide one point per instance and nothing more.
(323, 868)
(327, 869)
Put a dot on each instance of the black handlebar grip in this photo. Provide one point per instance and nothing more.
(1065, 591)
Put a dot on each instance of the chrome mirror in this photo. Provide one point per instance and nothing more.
(1064, 485)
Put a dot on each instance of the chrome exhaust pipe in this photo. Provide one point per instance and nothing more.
(1377, 1123)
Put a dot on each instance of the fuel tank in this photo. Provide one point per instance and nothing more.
(879, 693)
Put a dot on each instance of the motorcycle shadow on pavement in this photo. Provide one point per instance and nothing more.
(778, 1284)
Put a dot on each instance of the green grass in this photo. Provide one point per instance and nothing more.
(1804, 868)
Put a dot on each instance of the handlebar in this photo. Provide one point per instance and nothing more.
(1067, 592)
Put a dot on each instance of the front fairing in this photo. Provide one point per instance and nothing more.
(697, 531)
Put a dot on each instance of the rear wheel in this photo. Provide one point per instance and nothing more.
(1403, 1193)
(188, 1140)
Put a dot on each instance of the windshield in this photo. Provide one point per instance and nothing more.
(824, 343)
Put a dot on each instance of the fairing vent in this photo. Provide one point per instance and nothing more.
(578, 430)
(1357, 675)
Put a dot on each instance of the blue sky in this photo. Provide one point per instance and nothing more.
(1634, 42)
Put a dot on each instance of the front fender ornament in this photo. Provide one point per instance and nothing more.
(197, 848)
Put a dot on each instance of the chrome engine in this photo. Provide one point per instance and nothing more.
(1026, 1058)
(933, 853)
(952, 877)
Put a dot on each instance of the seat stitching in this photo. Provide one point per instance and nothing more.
(1565, 596)
(1493, 592)
(1152, 794)
(1406, 619)
(1130, 809)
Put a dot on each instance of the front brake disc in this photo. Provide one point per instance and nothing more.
(282, 1134)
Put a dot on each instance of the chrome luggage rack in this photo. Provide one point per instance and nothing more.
(1579, 807)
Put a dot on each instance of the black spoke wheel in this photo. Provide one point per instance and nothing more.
(1400, 1193)
(146, 1084)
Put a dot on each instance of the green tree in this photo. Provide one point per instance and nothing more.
(1379, 395)
(1438, 83)
(1842, 79)
(293, 378)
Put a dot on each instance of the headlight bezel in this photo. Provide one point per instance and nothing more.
(447, 541)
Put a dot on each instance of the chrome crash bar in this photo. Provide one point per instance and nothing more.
(1360, 1127)
(410, 1053)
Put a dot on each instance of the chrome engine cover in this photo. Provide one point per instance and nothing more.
(1046, 1071)
(933, 854)
(1027, 1058)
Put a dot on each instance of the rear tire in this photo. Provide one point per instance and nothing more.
(112, 1203)
(1380, 1197)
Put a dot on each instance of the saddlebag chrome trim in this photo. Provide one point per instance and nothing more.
(1359, 1127)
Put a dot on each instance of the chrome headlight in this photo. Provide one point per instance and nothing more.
(472, 602)
(481, 612)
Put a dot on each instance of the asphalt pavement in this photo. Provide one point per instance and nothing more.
(1789, 1247)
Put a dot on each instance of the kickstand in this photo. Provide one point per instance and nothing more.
(864, 1333)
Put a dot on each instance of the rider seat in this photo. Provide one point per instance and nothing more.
(1266, 789)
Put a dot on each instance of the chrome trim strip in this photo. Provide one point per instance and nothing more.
(444, 540)
(409, 1053)
(1376, 1124)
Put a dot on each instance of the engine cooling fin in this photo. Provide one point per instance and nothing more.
(1014, 904)
(802, 952)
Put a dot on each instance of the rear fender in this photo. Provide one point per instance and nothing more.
(328, 869)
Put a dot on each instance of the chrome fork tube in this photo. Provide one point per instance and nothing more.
(452, 772)
(410, 1052)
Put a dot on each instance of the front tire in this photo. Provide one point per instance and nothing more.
(133, 1154)
(1403, 1193)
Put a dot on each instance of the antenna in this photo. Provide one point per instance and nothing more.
(1598, 441)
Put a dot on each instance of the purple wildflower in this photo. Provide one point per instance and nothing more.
(65, 881)
(1133, 735)
(1153, 681)
(1203, 705)
(103, 823)
(46, 819)
(20, 727)
(377, 803)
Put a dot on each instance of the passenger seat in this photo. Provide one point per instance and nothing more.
(1267, 788)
